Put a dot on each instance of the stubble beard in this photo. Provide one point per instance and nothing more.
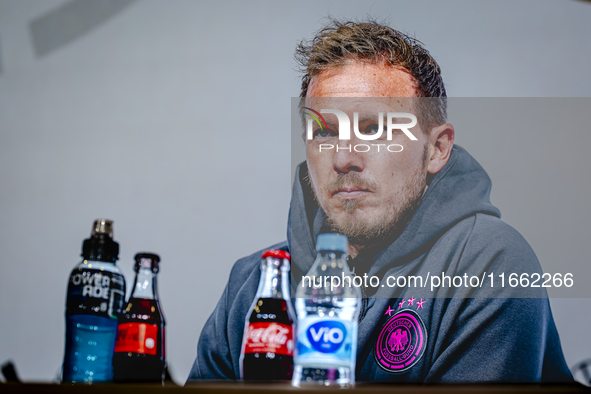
(366, 231)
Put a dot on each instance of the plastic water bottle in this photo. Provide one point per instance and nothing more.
(327, 307)
(96, 292)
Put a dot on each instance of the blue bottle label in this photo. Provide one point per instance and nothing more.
(327, 336)
(90, 341)
(326, 342)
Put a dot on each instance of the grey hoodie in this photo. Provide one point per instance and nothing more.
(418, 333)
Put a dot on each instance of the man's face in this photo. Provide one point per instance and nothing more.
(365, 194)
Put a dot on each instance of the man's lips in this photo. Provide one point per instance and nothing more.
(350, 193)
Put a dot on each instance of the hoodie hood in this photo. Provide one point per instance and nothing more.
(460, 189)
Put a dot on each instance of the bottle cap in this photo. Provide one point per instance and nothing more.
(149, 260)
(278, 253)
(276, 258)
(102, 226)
(332, 241)
(100, 246)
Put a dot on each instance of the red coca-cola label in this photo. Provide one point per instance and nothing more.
(137, 338)
(269, 338)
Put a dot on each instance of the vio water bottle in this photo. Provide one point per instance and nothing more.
(327, 307)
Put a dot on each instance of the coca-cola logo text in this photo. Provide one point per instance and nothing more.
(269, 338)
(273, 335)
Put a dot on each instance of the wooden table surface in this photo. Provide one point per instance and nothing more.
(211, 387)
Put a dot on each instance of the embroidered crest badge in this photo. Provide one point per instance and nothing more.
(401, 342)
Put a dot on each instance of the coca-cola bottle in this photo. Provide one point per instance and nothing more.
(268, 343)
(139, 349)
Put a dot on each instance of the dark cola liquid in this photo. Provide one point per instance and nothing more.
(140, 349)
(268, 365)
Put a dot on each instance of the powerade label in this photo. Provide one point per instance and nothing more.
(95, 292)
(137, 338)
(326, 341)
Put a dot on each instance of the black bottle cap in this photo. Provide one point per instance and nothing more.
(100, 246)
(149, 260)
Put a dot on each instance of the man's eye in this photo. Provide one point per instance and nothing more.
(324, 133)
(371, 129)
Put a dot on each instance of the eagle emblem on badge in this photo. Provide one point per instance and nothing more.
(398, 340)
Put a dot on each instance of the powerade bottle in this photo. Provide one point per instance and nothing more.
(327, 311)
(96, 293)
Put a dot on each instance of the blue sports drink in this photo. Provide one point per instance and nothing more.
(96, 292)
(327, 305)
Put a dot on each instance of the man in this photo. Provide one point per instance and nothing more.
(414, 212)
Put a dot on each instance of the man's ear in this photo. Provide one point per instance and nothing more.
(441, 140)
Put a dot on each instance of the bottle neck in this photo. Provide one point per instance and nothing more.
(334, 259)
(145, 285)
(274, 281)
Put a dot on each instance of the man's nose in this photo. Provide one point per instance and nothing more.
(346, 159)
